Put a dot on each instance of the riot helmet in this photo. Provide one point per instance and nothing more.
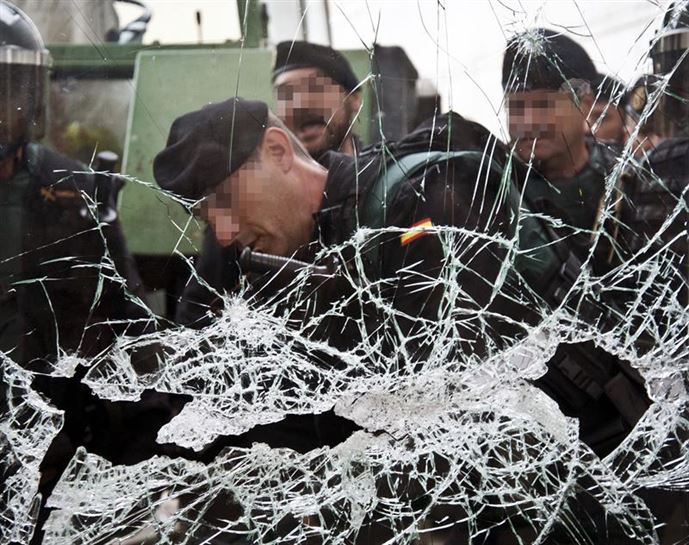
(669, 55)
(24, 68)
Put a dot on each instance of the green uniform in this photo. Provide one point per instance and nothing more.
(604, 393)
(577, 200)
(57, 262)
(12, 195)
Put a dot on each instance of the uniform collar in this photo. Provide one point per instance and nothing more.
(348, 179)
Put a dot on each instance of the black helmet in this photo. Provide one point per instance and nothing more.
(671, 40)
(667, 51)
(24, 67)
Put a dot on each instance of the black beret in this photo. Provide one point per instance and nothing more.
(544, 59)
(293, 55)
(206, 146)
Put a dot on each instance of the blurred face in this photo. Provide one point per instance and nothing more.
(547, 122)
(608, 120)
(259, 207)
(315, 108)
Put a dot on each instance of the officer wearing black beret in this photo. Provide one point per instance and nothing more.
(204, 149)
(206, 146)
(317, 96)
(276, 199)
(547, 78)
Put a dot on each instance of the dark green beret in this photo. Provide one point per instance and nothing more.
(206, 146)
(293, 55)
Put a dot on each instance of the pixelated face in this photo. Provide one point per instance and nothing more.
(258, 207)
(315, 108)
(216, 210)
(547, 122)
(608, 120)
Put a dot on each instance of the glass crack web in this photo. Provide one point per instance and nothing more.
(453, 439)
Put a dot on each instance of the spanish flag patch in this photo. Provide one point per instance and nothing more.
(419, 229)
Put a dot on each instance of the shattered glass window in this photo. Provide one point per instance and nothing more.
(461, 318)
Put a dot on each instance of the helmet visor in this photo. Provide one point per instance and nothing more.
(22, 105)
(670, 57)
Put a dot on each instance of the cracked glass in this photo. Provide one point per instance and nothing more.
(429, 290)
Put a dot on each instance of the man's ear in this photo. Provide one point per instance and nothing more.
(586, 103)
(353, 101)
(277, 148)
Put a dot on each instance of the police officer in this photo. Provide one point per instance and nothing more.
(662, 192)
(67, 281)
(53, 256)
(310, 204)
(547, 87)
(317, 96)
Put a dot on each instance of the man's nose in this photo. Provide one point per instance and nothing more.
(225, 227)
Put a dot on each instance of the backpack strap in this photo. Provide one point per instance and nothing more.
(397, 170)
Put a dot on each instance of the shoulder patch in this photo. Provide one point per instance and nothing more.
(419, 229)
(52, 194)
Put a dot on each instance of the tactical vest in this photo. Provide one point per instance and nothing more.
(48, 220)
(655, 196)
(578, 203)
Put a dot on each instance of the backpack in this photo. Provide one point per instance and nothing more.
(450, 136)
(582, 378)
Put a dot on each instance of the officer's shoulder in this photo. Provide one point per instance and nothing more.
(603, 155)
(444, 132)
(670, 150)
(51, 168)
